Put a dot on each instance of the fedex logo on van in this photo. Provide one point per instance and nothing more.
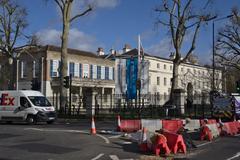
(5, 100)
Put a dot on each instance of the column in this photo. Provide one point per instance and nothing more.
(91, 108)
(102, 97)
(179, 95)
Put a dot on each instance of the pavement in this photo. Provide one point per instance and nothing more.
(70, 139)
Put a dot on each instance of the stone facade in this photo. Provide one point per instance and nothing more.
(43, 65)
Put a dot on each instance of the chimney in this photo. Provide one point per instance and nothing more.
(172, 56)
(126, 48)
(100, 51)
(112, 52)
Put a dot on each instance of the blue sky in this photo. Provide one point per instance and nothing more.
(114, 23)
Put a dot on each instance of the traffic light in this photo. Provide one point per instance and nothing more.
(66, 82)
(36, 85)
(138, 84)
(238, 86)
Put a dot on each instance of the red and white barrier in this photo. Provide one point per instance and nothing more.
(192, 124)
(151, 125)
(214, 130)
(160, 145)
(175, 142)
(172, 125)
(205, 133)
(130, 125)
(229, 128)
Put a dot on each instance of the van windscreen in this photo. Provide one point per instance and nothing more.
(39, 101)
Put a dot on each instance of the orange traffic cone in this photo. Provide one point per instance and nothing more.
(143, 143)
(93, 128)
(119, 123)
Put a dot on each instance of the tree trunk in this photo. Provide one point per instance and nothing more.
(174, 80)
(64, 60)
(12, 79)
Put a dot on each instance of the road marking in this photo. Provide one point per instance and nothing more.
(235, 156)
(237, 135)
(105, 138)
(203, 144)
(117, 136)
(114, 157)
(127, 142)
(35, 129)
(69, 131)
(98, 156)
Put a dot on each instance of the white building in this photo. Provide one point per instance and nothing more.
(160, 75)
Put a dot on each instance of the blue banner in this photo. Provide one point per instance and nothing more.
(131, 77)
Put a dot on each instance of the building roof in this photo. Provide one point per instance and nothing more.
(71, 51)
(134, 53)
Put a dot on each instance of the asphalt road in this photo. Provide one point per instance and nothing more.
(223, 148)
(70, 140)
(62, 141)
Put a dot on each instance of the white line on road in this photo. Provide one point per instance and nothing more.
(106, 140)
(117, 136)
(114, 157)
(98, 156)
(69, 131)
(235, 156)
(237, 135)
(203, 144)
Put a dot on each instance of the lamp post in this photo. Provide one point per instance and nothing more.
(213, 49)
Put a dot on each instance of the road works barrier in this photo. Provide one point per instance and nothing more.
(205, 133)
(237, 123)
(175, 142)
(160, 145)
(151, 125)
(192, 124)
(207, 121)
(214, 130)
(172, 125)
(130, 125)
(229, 128)
(143, 144)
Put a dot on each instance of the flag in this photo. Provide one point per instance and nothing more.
(140, 50)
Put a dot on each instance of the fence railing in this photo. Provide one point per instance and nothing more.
(147, 106)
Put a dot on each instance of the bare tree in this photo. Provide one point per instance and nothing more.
(228, 43)
(12, 24)
(65, 7)
(181, 19)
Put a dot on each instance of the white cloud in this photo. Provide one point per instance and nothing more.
(80, 5)
(161, 49)
(106, 3)
(77, 39)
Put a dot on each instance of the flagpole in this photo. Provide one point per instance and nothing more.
(139, 76)
(139, 56)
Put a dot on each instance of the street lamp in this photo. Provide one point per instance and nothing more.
(213, 49)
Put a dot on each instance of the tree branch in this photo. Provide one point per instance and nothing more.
(60, 5)
(193, 42)
(81, 14)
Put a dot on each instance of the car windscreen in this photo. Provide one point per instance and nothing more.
(39, 101)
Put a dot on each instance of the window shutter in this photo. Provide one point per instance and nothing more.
(102, 72)
(80, 70)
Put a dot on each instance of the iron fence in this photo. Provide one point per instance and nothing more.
(145, 106)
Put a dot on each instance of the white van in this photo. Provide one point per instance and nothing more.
(25, 105)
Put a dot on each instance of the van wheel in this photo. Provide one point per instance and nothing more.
(9, 122)
(31, 119)
(50, 122)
